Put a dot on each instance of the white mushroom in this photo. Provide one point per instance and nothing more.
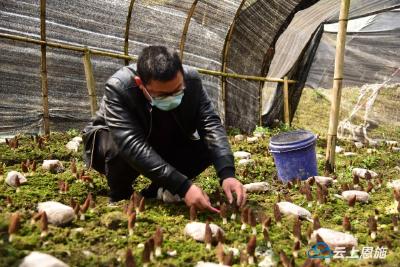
(358, 144)
(12, 177)
(361, 172)
(349, 154)
(197, 230)
(339, 149)
(259, 135)
(252, 140)
(239, 137)
(290, 209)
(360, 195)
(267, 259)
(77, 139)
(394, 184)
(335, 238)
(392, 143)
(39, 259)
(257, 187)
(53, 165)
(246, 162)
(57, 213)
(73, 146)
(322, 180)
(242, 155)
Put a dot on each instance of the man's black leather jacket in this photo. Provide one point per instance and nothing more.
(126, 113)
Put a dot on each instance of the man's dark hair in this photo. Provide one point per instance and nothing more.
(158, 63)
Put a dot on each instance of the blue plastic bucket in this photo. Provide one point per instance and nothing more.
(294, 154)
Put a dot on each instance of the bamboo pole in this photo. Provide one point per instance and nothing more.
(243, 77)
(286, 101)
(225, 51)
(90, 82)
(66, 46)
(134, 58)
(260, 100)
(128, 23)
(185, 29)
(43, 69)
(337, 87)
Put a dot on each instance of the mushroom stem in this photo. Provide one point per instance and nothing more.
(14, 224)
(44, 225)
(131, 223)
(208, 236)
(158, 239)
(251, 260)
(192, 213)
(219, 251)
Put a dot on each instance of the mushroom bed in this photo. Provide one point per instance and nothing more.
(101, 236)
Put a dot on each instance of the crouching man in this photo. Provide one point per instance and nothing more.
(157, 120)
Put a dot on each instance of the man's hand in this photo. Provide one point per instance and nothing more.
(196, 197)
(230, 185)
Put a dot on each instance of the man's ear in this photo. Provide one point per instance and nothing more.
(138, 82)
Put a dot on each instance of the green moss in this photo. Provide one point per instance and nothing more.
(103, 238)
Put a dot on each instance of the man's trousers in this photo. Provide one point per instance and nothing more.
(190, 158)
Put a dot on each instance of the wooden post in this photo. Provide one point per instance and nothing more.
(128, 23)
(260, 100)
(91, 85)
(286, 101)
(185, 29)
(43, 69)
(337, 87)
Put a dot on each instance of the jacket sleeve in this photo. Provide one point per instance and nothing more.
(212, 131)
(130, 138)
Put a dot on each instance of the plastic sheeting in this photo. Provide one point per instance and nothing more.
(297, 46)
(97, 24)
(254, 35)
(374, 49)
(101, 24)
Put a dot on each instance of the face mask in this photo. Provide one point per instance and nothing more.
(168, 102)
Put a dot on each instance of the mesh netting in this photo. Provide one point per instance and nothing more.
(306, 53)
(101, 25)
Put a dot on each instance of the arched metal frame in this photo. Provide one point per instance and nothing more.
(186, 28)
(225, 52)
